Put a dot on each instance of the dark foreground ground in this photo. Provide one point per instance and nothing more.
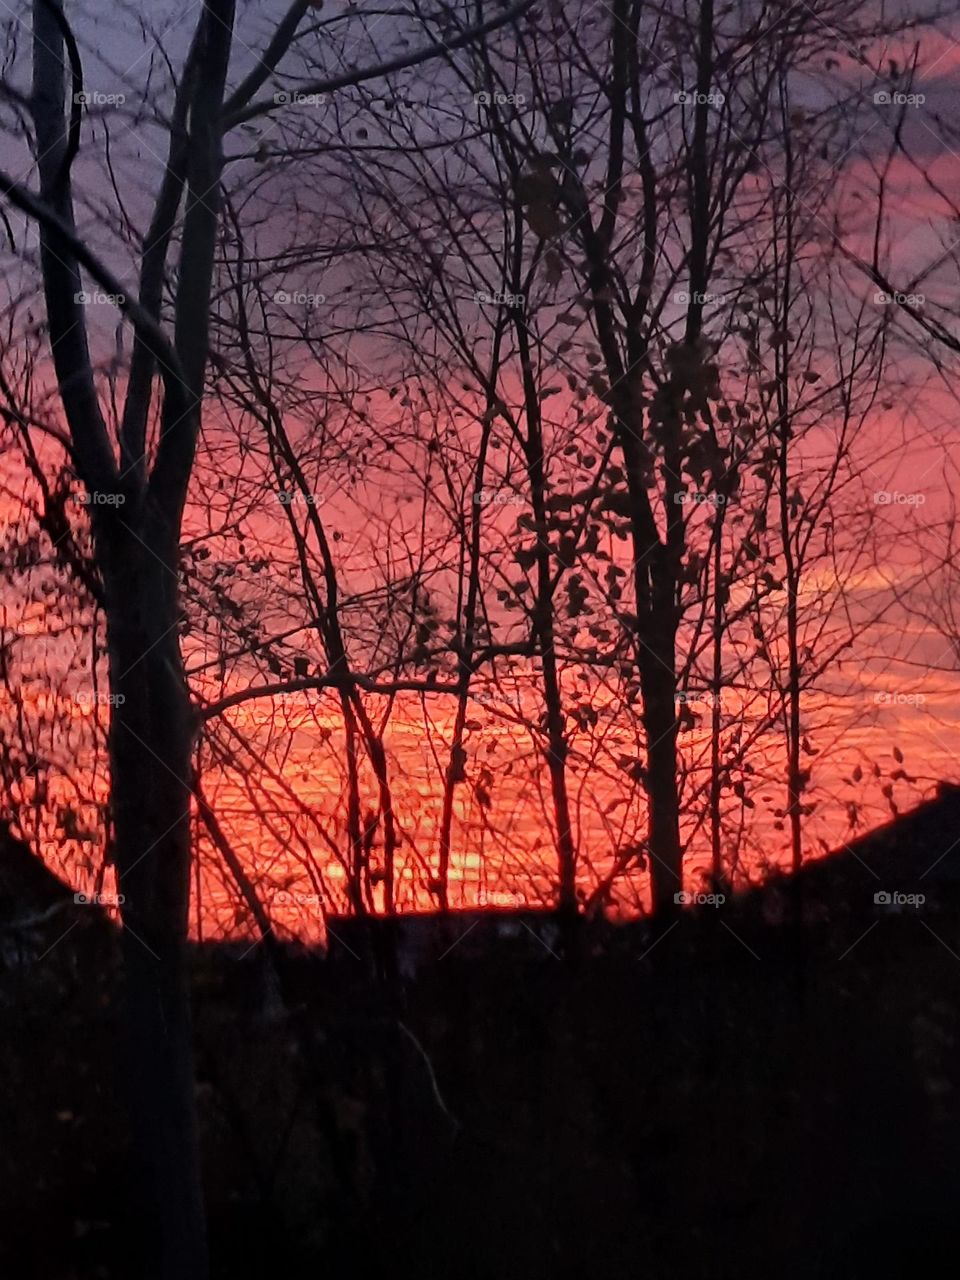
(733, 1104)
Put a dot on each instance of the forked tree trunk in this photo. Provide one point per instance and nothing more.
(137, 546)
(137, 534)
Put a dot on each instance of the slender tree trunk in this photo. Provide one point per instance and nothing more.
(466, 642)
(557, 765)
(716, 683)
(792, 561)
(359, 871)
(794, 708)
(543, 622)
(658, 687)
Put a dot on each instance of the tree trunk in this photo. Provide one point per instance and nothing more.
(543, 620)
(716, 684)
(655, 587)
(151, 740)
(659, 692)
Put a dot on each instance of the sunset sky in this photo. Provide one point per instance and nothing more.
(387, 453)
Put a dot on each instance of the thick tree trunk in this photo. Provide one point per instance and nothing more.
(137, 549)
(150, 750)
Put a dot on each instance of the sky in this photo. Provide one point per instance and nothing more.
(888, 706)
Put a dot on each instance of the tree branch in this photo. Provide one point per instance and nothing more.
(359, 75)
(281, 41)
(278, 688)
(143, 322)
(59, 262)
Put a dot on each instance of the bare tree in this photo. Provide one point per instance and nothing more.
(137, 473)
